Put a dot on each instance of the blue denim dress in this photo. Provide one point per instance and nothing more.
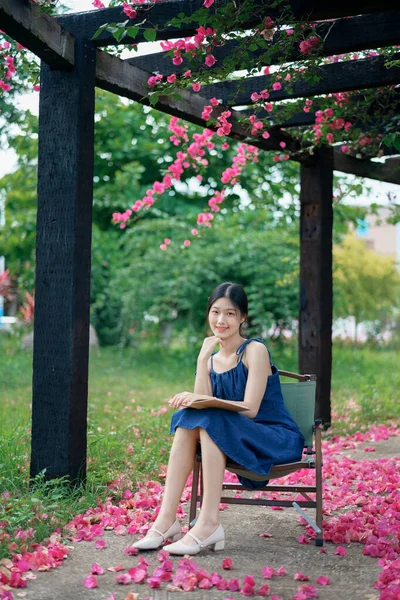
(271, 438)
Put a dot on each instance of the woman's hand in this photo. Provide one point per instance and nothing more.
(208, 347)
(185, 398)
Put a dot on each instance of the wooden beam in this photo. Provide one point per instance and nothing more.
(157, 15)
(389, 171)
(316, 295)
(27, 24)
(337, 77)
(119, 77)
(364, 32)
(63, 254)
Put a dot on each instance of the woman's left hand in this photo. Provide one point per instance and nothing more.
(184, 399)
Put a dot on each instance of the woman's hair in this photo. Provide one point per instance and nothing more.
(234, 292)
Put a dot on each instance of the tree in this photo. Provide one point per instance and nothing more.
(366, 284)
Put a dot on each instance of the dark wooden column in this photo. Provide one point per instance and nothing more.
(315, 316)
(64, 220)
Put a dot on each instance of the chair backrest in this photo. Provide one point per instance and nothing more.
(299, 399)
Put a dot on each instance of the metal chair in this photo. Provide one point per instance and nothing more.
(299, 399)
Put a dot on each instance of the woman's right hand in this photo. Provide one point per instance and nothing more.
(208, 347)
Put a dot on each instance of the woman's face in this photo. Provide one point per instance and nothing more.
(225, 318)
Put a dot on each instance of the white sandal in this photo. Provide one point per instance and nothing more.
(216, 541)
(150, 542)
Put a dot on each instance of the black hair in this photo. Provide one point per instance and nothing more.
(234, 292)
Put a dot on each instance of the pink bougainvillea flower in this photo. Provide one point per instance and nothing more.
(123, 579)
(322, 580)
(341, 551)
(369, 449)
(276, 86)
(247, 590)
(90, 582)
(98, 4)
(96, 569)
(186, 243)
(196, 87)
(131, 551)
(303, 540)
(163, 246)
(234, 584)
(119, 567)
(227, 564)
(130, 12)
(210, 60)
(281, 570)
(100, 544)
(138, 574)
(208, 3)
(267, 572)
(310, 591)
(263, 590)
(300, 576)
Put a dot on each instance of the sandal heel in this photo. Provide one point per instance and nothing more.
(218, 546)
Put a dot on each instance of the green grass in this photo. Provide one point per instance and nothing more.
(126, 440)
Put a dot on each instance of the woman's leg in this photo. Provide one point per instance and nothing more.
(213, 464)
(180, 464)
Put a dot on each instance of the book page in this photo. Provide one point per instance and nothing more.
(218, 403)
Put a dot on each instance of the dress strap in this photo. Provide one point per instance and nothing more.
(211, 361)
(240, 350)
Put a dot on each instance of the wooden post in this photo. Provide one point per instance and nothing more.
(64, 220)
(315, 311)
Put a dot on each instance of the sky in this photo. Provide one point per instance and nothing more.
(379, 191)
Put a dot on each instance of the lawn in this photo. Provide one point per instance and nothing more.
(128, 422)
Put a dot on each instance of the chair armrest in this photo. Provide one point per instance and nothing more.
(306, 377)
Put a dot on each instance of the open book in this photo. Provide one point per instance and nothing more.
(233, 405)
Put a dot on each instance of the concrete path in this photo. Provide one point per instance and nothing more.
(352, 576)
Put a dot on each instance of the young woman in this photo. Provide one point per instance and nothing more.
(257, 439)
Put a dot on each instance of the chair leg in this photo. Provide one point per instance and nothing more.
(318, 476)
(195, 490)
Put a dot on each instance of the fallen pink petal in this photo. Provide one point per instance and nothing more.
(90, 582)
(322, 580)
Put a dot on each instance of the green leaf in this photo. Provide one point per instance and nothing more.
(99, 31)
(396, 142)
(153, 98)
(120, 34)
(150, 35)
(174, 22)
(133, 31)
(176, 96)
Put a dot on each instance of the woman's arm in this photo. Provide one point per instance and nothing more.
(259, 368)
(202, 384)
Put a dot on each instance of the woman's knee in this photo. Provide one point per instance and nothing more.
(182, 433)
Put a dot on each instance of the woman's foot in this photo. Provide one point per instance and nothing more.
(156, 537)
(193, 544)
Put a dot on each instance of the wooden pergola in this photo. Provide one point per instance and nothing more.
(72, 66)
